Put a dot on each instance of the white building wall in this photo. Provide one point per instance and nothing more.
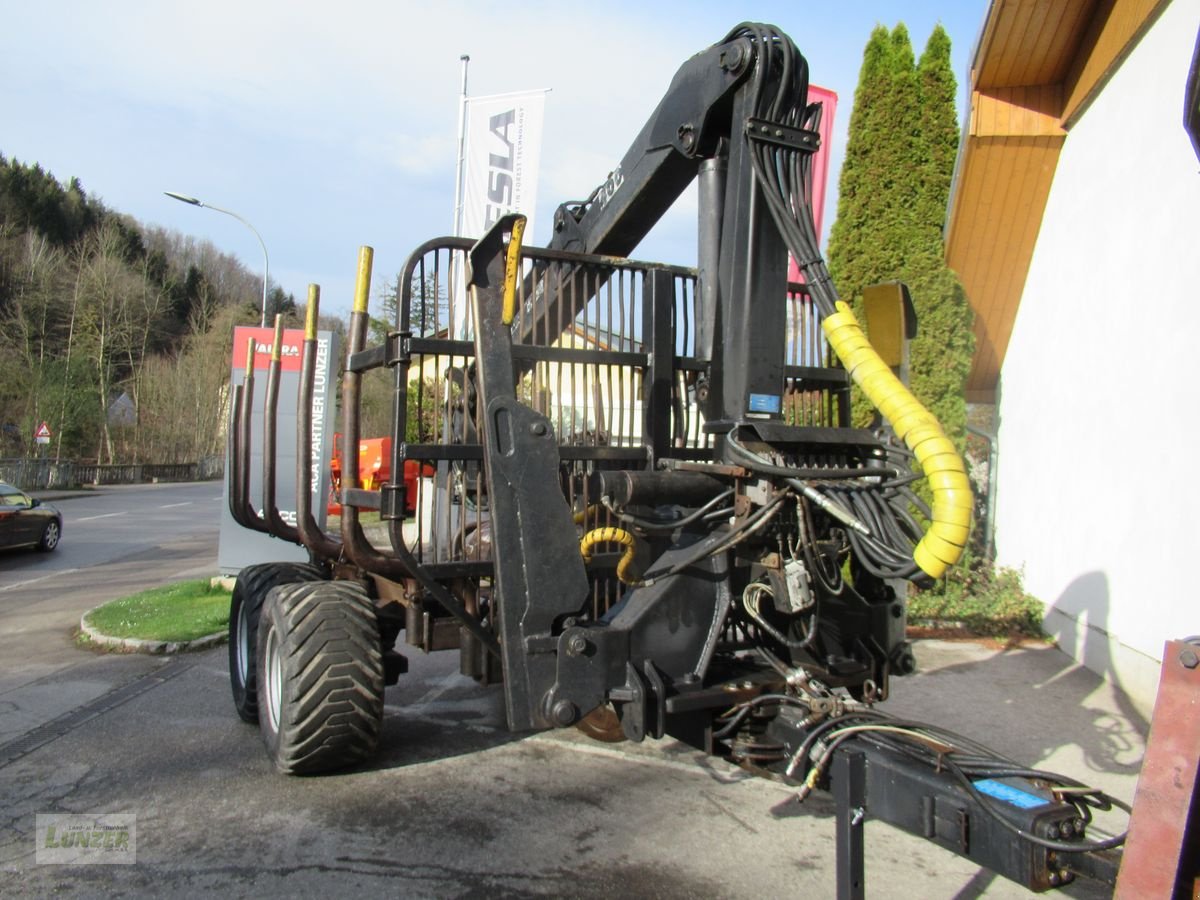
(1098, 497)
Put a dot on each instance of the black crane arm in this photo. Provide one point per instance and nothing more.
(694, 117)
(736, 117)
(663, 159)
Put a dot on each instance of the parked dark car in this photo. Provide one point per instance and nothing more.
(26, 521)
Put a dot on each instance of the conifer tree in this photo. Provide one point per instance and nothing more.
(894, 190)
(941, 354)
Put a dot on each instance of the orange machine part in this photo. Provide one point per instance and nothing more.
(374, 471)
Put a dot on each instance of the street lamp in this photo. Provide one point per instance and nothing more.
(184, 198)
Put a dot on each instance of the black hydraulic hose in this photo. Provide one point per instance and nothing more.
(719, 542)
(865, 513)
(916, 501)
(888, 530)
(831, 581)
(903, 515)
(879, 560)
(750, 705)
(817, 731)
(665, 526)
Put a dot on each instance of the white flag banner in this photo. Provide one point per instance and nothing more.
(500, 166)
(502, 151)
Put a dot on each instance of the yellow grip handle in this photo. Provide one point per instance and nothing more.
(312, 312)
(277, 342)
(943, 543)
(362, 279)
(512, 264)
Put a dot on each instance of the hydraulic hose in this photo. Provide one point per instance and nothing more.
(943, 543)
(612, 536)
(785, 175)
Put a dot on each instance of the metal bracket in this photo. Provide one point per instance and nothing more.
(392, 502)
(776, 133)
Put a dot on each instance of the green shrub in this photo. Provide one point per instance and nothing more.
(982, 597)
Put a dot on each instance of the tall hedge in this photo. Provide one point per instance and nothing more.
(894, 190)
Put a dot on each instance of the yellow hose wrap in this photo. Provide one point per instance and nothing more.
(590, 512)
(943, 543)
(611, 536)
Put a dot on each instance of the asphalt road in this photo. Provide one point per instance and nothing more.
(113, 523)
(454, 805)
(115, 542)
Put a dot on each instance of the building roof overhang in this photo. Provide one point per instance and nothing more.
(1036, 66)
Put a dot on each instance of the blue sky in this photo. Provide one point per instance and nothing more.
(329, 126)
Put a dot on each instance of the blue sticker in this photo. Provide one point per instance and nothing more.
(766, 403)
(1010, 795)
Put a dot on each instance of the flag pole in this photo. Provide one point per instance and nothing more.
(462, 140)
(458, 294)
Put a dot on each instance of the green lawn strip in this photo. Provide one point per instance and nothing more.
(182, 611)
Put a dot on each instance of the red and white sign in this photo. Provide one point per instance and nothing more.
(42, 435)
(264, 340)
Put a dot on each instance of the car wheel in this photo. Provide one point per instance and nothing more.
(249, 591)
(50, 535)
(320, 671)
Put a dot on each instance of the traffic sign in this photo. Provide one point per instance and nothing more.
(42, 435)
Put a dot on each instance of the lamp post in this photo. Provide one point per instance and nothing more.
(184, 198)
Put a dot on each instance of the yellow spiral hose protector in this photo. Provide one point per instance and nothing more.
(943, 543)
(611, 536)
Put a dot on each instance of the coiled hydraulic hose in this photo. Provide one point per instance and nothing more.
(943, 543)
(612, 536)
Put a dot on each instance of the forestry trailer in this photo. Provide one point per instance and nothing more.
(648, 513)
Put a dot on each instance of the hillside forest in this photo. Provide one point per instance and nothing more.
(116, 334)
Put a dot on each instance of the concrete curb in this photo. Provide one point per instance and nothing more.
(156, 648)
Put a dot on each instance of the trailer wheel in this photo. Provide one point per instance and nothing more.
(320, 668)
(249, 591)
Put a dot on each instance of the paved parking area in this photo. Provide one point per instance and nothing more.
(455, 806)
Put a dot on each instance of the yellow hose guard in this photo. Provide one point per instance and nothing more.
(611, 535)
(943, 543)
